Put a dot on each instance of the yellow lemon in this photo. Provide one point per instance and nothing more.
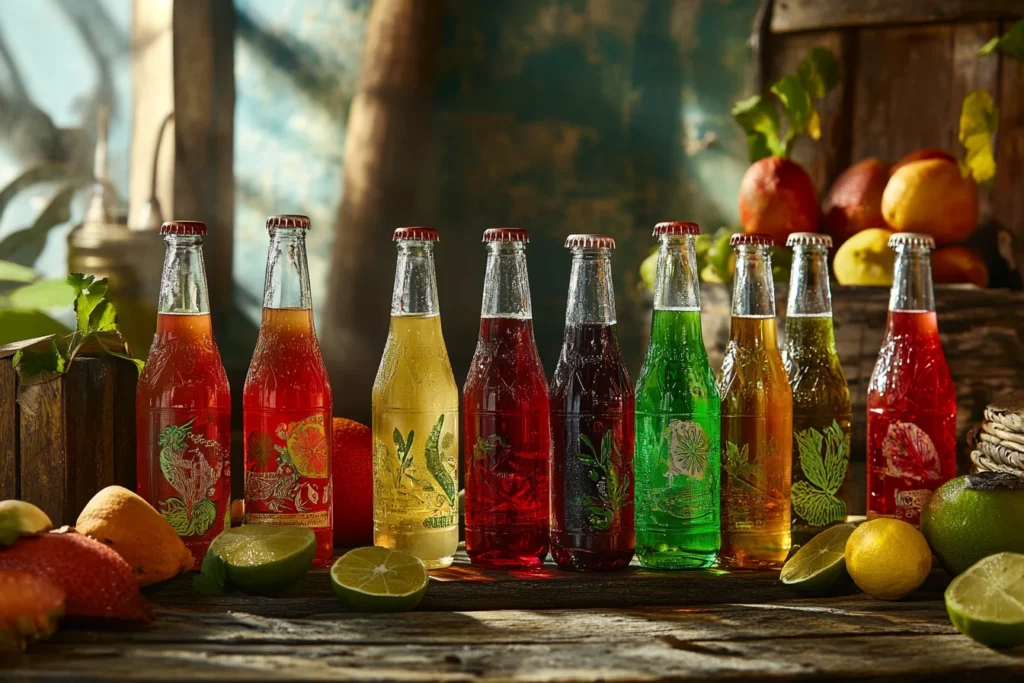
(888, 558)
(865, 259)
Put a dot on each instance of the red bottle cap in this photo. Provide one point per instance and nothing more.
(183, 228)
(676, 228)
(590, 241)
(288, 220)
(506, 235)
(418, 233)
(809, 239)
(751, 238)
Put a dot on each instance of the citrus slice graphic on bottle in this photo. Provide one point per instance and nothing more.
(307, 445)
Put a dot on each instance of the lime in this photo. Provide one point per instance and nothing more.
(819, 567)
(379, 579)
(264, 559)
(887, 558)
(986, 602)
(974, 516)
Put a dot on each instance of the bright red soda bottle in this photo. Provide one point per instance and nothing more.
(911, 397)
(592, 404)
(183, 404)
(286, 403)
(507, 430)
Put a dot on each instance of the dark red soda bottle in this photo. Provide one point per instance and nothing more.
(592, 404)
(506, 428)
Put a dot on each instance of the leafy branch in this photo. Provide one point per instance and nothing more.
(1010, 44)
(613, 482)
(403, 449)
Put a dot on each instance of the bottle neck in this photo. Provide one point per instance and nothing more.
(183, 287)
(415, 291)
(287, 281)
(753, 293)
(506, 283)
(809, 291)
(912, 281)
(675, 285)
(591, 294)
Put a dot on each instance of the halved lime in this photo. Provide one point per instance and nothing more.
(265, 559)
(379, 579)
(986, 602)
(819, 567)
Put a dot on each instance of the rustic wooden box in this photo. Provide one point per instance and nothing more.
(63, 440)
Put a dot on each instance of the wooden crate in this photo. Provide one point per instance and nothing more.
(63, 440)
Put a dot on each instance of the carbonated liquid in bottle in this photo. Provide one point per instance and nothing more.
(183, 404)
(911, 397)
(678, 520)
(507, 429)
(592, 422)
(821, 397)
(416, 416)
(286, 403)
(757, 419)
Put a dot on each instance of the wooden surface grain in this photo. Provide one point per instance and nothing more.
(8, 432)
(805, 15)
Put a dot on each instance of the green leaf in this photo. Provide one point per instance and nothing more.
(45, 362)
(817, 507)
(19, 325)
(399, 441)
(808, 444)
(760, 122)
(80, 282)
(213, 576)
(15, 272)
(87, 301)
(837, 459)
(979, 120)
(818, 72)
(103, 318)
(796, 103)
(25, 246)
(1010, 44)
(204, 513)
(41, 295)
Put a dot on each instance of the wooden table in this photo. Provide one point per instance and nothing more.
(549, 625)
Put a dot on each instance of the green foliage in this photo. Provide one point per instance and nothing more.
(979, 120)
(608, 471)
(824, 459)
(212, 577)
(796, 93)
(175, 512)
(432, 454)
(1010, 44)
(737, 461)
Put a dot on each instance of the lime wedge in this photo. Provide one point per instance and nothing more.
(986, 602)
(819, 567)
(264, 559)
(379, 579)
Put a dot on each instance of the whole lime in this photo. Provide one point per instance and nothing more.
(975, 516)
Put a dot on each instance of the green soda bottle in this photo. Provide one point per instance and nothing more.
(677, 463)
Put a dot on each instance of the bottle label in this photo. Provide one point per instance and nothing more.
(287, 473)
(506, 465)
(820, 468)
(755, 488)
(415, 477)
(598, 481)
(193, 452)
(678, 476)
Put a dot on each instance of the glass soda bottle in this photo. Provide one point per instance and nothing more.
(757, 419)
(183, 404)
(911, 397)
(821, 397)
(416, 416)
(286, 403)
(592, 422)
(678, 520)
(507, 429)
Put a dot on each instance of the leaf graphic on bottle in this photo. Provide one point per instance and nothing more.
(910, 454)
(737, 461)
(614, 483)
(824, 459)
(435, 465)
(186, 522)
(190, 475)
(688, 448)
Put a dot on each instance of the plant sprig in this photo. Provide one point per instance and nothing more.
(1011, 43)
(979, 120)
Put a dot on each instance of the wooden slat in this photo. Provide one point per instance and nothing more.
(125, 382)
(813, 15)
(44, 455)
(1007, 196)
(8, 430)
(89, 424)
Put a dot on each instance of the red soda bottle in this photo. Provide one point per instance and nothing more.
(911, 397)
(183, 404)
(507, 444)
(592, 403)
(286, 403)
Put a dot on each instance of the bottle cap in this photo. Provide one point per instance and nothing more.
(506, 235)
(418, 233)
(676, 228)
(288, 220)
(751, 238)
(589, 242)
(911, 239)
(809, 239)
(183, 228)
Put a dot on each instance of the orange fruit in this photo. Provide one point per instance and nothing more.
(352, 464)
(307, 445)
(931, 196)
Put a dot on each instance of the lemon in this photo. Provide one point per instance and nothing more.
(819, 567)
(865, 259)
(260, 559)
(888, 558)
(379, 579)
(18, 518)
(986, 602)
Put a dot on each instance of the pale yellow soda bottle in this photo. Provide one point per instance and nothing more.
(416, 416)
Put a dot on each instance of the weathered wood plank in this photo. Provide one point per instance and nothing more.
(44, 457)
(812, 15)
(8, 431)
(125, 383)
(1007, 196)
(89, 432)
